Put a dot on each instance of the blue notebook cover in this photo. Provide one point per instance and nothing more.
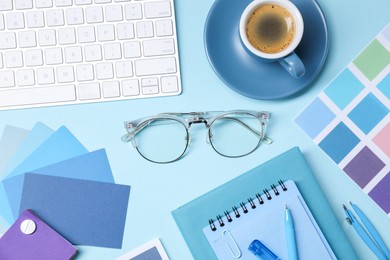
(192, 217)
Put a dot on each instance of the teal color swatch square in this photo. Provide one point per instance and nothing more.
(315, 118)
(384, 86)
(339, 142)
(368, 113)
(344, 89)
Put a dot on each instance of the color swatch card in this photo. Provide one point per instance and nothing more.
(350, 120)
(262, 218)
(153, 250)
(31, 238)
(84, 212)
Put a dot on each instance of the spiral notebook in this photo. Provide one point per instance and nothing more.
(193, 217)
(262, 218)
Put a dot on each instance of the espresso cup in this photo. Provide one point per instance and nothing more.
(271, 30)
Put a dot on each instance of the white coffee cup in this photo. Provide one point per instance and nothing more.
(261, 11)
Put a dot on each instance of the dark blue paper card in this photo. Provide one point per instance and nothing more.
(84, 212)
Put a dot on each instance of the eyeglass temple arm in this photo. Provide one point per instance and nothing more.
(254, 131)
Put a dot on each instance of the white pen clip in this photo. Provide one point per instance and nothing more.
(236, 252)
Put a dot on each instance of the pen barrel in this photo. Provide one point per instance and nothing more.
(290, 237)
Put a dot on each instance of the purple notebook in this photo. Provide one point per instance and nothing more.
(31, 238)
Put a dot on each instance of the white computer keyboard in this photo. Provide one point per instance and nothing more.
(56, 52)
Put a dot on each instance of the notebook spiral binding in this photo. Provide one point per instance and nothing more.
(244, 207)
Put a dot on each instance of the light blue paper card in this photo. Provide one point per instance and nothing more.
(10, 141)
(38, 134)
(59, 146)
(92, 166)
(84, 212)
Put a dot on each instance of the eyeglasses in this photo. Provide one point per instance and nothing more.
(165, 137)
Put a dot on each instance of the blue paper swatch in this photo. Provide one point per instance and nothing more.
(38, 134)
(84, 212)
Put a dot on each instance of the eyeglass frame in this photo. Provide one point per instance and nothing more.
(189, 118)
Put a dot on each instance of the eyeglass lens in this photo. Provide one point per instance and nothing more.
(162, 140)
(235, 135)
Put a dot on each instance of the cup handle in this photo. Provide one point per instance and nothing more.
(293, 64)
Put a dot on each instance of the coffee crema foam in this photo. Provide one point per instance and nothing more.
(270, 28)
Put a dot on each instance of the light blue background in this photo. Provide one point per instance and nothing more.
(158, 189)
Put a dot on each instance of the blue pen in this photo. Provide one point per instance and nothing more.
(290, 236)
(370, 242)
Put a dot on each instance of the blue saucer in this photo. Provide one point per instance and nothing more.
(254, 78)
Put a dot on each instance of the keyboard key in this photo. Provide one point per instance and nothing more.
(73, 54)
(102, 1)
(112, 51)
(164, 28)
(132, 50)
(88, 91)
(169, 84)
(45, 76)
(27, 39)
(145, 29)
(111, 89)
(65, 74)
(25, 77)
(55, 18)
(124, 69)
(66, 36)
(155, 66)
(85, 72)
(130, 87)
(104, 71)
(43, 3)
(157, 9)
(15, 21)
(150, 90)
(113, 13)
(147, 82)
(47, 37)
(7, 40)
(2, 25)
(86, 34)
(61, 3)
(133, 11)
(23, 4)
(42, 95)
(13, 59)
(1, 60)
(158, 47)
(35, 19)
(53, 56)
(5, 5)
(94, 14)
(93, 52)
(75, 16)
(83, 2)
(6, 79)
(33, 58)
(124, 31)
(106, 32)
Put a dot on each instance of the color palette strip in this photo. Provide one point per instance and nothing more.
(350, 121)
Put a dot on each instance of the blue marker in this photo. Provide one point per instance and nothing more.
(290, 236)
(260, 250)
